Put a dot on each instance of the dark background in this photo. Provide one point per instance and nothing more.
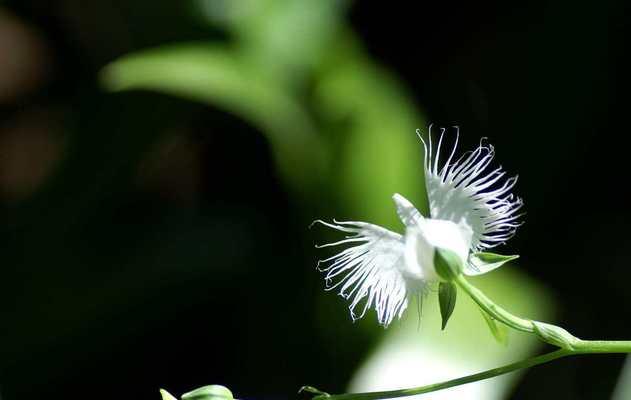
(149, 240)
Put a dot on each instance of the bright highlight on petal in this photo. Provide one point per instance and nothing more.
(466, 191)
(370, 272)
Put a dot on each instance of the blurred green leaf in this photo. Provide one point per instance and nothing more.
(447, 292)
(212, 74)
(287, 38)
(623, 386)
(373, 116)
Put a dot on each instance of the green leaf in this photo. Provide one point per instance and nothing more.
(358, 100)
(210, 392)
(218, 76)
(483, 262)
(447, 264)
(499, 331)
(166, 395)
(447, 299)
(211, 74)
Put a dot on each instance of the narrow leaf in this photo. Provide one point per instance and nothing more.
(483, 262)
(499, 331)
(447, 299)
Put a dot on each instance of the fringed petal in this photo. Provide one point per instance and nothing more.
(464, 191)
(369, 273)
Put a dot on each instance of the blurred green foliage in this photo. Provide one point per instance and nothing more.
(330, 113)
(294, 70)
(113, 281)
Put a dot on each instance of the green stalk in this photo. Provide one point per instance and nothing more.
(568, 345)
(602, 347)
(391, 394)
(493, 309)
(549, 333)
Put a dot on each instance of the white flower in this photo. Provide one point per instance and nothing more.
(471, 210)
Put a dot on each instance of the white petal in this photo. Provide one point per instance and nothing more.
(466, 191)
(419, 256)
(448, 235)
(422, 240)
(370, 273)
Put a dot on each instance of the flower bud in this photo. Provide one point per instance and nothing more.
(210, 392)
(166, 395)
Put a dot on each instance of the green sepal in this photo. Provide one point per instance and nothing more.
(499, 331)
(447, 264)
(554, 335)
(166, 395)
(483, 262)
(210, 392)
(447, 299)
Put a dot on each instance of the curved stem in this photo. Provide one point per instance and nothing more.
(557, 336)
(554, 335)
(493, 309)
(391, 394)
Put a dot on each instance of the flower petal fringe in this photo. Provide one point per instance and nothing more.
(462, 192)
(370, 272)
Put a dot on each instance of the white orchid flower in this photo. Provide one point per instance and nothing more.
(471, 210)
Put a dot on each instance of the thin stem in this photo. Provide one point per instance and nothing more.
(556, 336)
(567, 343)
(493, 309)
(601, 346)
(391, 394)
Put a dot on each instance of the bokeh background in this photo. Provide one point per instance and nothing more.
(161, 161)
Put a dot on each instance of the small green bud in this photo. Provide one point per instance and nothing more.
(447, 292)
(554, 335)
(312, 390)
(210, 392)
(166, 395)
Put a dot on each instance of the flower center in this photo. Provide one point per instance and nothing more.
(421, 241)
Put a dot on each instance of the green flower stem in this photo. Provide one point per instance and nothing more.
(552, 334)
(493, 309)
(602, 347)
(567, 343)
(391, 394)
